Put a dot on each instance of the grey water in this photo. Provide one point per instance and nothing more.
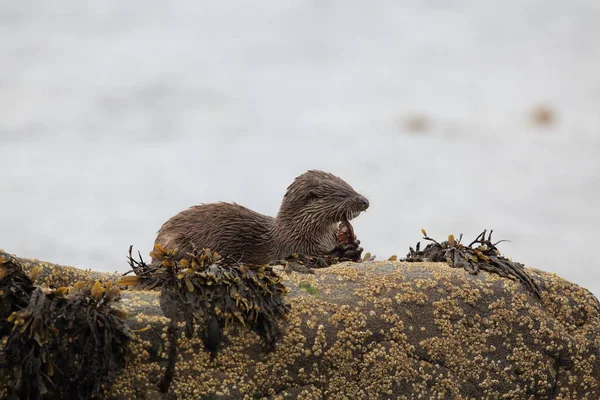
(116, 115)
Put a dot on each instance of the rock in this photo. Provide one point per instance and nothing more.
(543, 115)
(388, 330)
(417, 123)
(56, 275)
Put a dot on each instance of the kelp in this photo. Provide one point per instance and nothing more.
(62, 343)
(480, 254)
(211, 292)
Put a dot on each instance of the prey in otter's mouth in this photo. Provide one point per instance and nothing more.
(348, 247)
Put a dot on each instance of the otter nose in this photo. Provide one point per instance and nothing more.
(364, 202)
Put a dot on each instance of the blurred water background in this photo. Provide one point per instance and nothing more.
(448, 115)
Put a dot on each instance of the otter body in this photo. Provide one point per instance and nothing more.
(229, 229)
(312, 207)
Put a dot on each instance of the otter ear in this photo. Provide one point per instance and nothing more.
(310, 196)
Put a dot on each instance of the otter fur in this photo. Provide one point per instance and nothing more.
(307, 222)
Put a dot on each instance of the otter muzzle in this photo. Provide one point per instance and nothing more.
(363, 202)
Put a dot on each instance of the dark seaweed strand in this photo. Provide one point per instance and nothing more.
(480, 254)
(165, 382)
(63, 343)
(99, 336)
(16, 288)
(24, 354)
(212, 292)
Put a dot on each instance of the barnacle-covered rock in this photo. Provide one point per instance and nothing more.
(212, 292)
(53, 275)
(389, 330)
(393, 330)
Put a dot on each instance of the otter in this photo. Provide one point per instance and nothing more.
(307, 223)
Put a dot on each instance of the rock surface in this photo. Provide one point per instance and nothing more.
(389, 330)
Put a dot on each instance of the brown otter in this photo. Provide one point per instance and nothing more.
(307, 222)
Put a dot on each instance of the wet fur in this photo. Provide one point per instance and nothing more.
(306, 223)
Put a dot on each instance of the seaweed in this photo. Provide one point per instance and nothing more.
(98, 336)
(62, 343)
(16, 288)
(480, 254)
(212, 292)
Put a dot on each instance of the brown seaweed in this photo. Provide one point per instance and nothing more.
(212, 292)
(16, 288)
(63, 343)
(480, 254)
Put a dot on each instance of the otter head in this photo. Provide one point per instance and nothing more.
(313, 206)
